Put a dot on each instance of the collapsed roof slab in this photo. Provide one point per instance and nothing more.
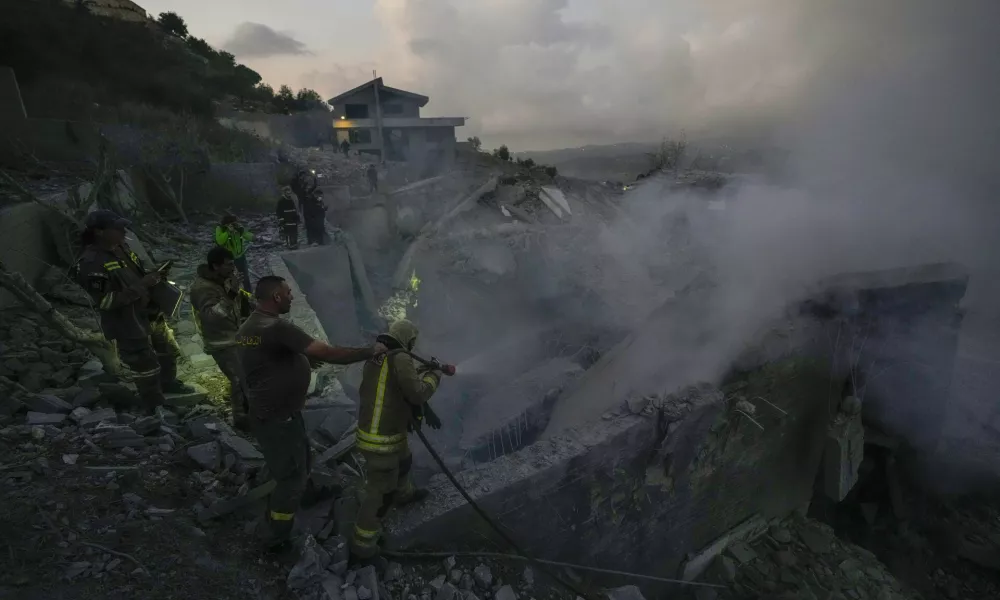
(639, 491)
(911, 310)
(302, 313)
(325, 287)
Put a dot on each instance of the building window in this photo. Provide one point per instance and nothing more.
(361, 136)
(356, 111)
(392, 109)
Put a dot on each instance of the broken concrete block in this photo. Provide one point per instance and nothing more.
(507, 593)
(87, 398)
(244, 449)
(331, 585)
(447, 592)
(191, 350)
(311, 567)
(94, 418)
(47, 404)
(37, 418)
(207, 455)
(191, 399)
(368, 579)
(483, 576)
(79, 413)
(122, 437)
(224, 507)
(9, 406)
(206, 427)
(146, 425)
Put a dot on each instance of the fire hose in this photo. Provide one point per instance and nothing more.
(519, 553)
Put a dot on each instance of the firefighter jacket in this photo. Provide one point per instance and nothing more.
(391, 387)
(303, 185)
(233, 238)
(114, 281)
(216, 307)
(287, 213)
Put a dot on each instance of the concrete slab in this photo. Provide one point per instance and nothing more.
(585, 496)
(509, 406)
(302, 313)
(323, 283)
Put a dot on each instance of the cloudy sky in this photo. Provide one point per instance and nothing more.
(539, 74)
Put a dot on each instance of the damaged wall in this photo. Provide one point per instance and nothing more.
(640, 491)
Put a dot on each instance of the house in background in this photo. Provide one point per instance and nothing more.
(377, 119)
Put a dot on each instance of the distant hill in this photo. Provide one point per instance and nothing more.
(614, 162)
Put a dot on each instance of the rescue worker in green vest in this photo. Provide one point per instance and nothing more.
(394, 394)
(232, 236)
(218, 303)
(119, 284)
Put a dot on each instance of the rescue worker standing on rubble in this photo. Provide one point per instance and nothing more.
(288, 218)
(232, 236)
(394, 394)
(120, 286)
(219, 309)
(275, 355)
(314, 215)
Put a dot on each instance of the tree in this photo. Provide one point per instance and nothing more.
(284, 100)
(307, 99)
(171, 22)
(476, 143)
(502, 153)
(200, 47)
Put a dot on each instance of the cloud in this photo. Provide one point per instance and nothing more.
(254, 40)
(541, 74)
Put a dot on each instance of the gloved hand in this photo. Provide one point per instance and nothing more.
(431, 417)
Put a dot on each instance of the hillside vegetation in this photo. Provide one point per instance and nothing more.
(71, 63)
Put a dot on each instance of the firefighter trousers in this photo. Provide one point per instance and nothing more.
(228, 360)
(388, 480)
(290, 234)
(153, 361)
(288, 458)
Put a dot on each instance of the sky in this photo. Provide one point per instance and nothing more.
(543, 74)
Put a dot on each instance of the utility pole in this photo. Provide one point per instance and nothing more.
(378, 120)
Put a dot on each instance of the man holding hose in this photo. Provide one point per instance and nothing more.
(394, 394)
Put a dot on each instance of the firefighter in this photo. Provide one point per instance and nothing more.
(219, 309)
(394, 394)
(372, 174)
(314, 215)
(288, 218)
(120, 286)
(275, 355)
(232, 236)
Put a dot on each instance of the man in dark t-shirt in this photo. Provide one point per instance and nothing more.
(275, 355)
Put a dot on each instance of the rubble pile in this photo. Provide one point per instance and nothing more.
(333, 168)
(802, 559)
(322, 574)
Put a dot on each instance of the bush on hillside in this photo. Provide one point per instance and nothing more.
(48, 41)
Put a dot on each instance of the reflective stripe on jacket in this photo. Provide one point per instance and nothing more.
(115, 285)
(390, 388)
